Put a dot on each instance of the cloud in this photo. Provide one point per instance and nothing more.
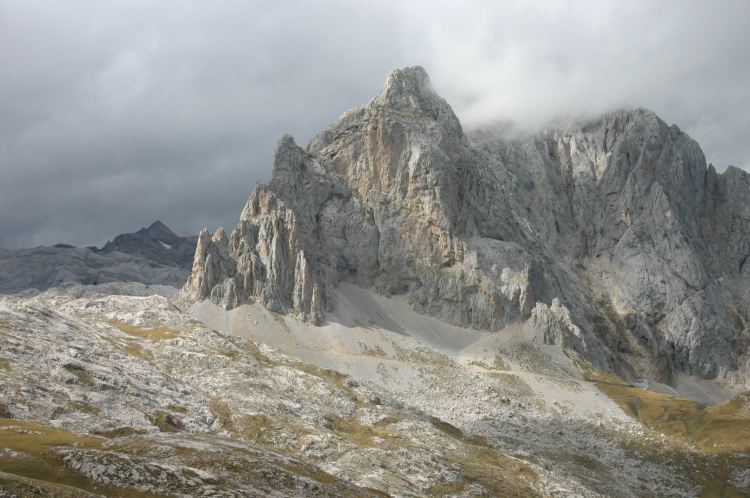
(116, 114)
(532, 62)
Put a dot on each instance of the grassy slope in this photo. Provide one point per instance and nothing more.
(41, 472)
(709, 442)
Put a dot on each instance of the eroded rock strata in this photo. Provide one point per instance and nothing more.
(614, 238)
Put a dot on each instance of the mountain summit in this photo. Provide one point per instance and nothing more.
(614, 240)
(157, 243)
(150, 256)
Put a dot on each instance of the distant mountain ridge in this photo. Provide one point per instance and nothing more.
(157, 243)
(151, 256)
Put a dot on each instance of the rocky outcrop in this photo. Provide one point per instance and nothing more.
(376, 199)
(266, 256)
(649, 241)
(638, 249)
(553, 325)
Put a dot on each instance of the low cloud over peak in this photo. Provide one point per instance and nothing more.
(116, 114)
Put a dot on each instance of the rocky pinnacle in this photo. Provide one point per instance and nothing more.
(612, 238)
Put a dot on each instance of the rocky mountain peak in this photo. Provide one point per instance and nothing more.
(157, 243)
(406, 87)
(613, 239)
(287, 159)
(409, 90)
(159, 232)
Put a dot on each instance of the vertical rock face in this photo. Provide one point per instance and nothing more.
(639, 250)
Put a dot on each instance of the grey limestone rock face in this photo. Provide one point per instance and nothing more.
(635, 250)
(554, 325)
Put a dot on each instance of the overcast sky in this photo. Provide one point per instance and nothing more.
(114, 114)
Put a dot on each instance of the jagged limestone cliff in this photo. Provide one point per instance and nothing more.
(614, 238)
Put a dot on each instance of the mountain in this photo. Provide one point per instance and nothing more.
(156, 243)
(153, 256)
(613, 239)
(409, 310)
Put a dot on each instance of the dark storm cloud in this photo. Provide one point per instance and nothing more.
(113, 114)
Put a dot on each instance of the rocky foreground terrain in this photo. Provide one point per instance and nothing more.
(129, 396)
(408, 310)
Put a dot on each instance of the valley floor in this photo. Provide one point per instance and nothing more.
(131, 396)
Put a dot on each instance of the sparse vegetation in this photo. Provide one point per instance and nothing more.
(255, 427)
(498, 364)
(81, 373)
(532, 359)
(43, 469)
(222, 412)
(517, 385)
(281, 320)
(722, 428)
(4, 412)
(447, 428)
(159, 333)
(177, 408)
(498, 474)
(85, 407)
(232, 354)
(274, 401)
(165, 421)
(371, 351)
(377, 436)
(421, 354)
(119, 432)
(359, 324)
(130, 346)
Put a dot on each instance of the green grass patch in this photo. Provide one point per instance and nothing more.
(497, 473)
(41, 468)
(159, 333)
(85, 407)
(378, 436)
(130, 347)
(722, 428)
(177, 408)
(119, 432)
